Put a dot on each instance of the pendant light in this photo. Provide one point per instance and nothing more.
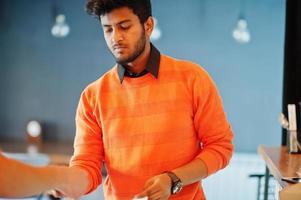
(241, 33)
(60, 28)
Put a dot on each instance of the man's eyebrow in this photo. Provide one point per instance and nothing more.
(121, 22)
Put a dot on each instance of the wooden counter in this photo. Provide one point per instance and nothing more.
(58, 153)
(280, 164)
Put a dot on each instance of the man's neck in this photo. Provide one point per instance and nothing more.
(138, 65)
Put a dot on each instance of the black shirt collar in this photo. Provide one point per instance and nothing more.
(152, 66)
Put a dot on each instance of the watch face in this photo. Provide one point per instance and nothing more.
(177, 187)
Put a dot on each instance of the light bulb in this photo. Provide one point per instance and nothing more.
(241, 32)
(34, 128)
(60, 28)
(156, 34)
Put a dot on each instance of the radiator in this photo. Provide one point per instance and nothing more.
(233, 182)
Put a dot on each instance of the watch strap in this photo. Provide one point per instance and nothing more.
(173, 176)
(175, 182)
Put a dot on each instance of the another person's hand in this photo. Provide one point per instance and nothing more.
(69, 187)
(157, 188)
(59, 195)
(55, 193)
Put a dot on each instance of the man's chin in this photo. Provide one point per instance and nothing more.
(125, 59)
(121, 61)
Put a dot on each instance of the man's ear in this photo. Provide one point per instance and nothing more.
(149, 25)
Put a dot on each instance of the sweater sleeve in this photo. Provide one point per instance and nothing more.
(88, 145)
(211, 124)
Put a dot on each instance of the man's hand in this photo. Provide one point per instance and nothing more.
(157, 188)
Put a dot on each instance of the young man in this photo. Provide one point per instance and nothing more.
(156, 122)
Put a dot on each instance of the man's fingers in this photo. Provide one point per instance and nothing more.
(155, 196)
(149, 191)
(146, 188)
(145, 193)
(148, 183)
(142, 198)
(141, 195)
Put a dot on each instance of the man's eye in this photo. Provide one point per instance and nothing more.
(125, 27)
(108, 30)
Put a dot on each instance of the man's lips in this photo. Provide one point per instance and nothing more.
(119, 47)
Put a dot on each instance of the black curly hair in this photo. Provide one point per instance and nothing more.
(141, 8)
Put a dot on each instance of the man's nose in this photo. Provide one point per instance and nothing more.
(117, 36)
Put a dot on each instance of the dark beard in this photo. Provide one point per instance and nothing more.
(140, 46)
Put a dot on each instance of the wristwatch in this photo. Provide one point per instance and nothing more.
(176, 183)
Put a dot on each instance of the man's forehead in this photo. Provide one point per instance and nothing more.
(116, 22)
(118, 15)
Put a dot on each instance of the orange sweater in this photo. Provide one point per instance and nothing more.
(146, 126)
